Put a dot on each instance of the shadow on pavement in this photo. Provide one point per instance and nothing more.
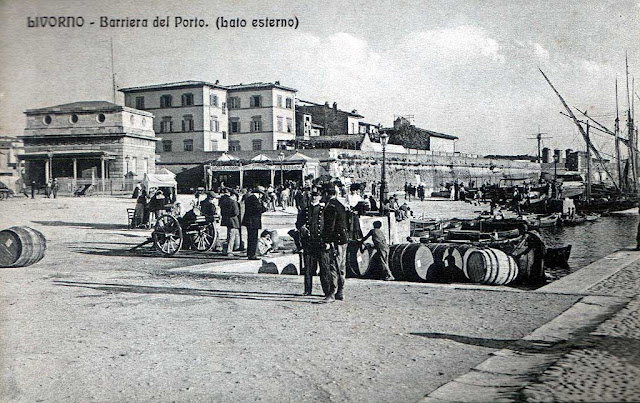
(81, 224)
(143, 289)
(146, 252)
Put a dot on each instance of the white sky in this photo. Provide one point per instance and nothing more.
(461, 67)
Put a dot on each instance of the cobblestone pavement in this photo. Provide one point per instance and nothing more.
(605, 365)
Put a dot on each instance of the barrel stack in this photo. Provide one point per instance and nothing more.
(21, 246)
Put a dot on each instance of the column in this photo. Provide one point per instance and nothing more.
(241, 177)
(75, 174)
(273, 175)
(102, 173)
(47, 169)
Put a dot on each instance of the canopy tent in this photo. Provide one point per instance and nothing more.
(162, 178)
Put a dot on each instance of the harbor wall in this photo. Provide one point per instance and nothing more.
(433, 169)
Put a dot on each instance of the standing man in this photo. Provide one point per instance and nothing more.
(33, 189)
(334, 235)
(253, 209)
(310, 223)
(381, 246)
(230, 212)
(55, 187)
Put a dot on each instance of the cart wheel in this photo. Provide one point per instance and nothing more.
(204, 238)
(167, 235)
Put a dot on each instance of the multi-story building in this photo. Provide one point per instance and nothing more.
(261, 116)
(332, 120)
(197, 116)
(190, 115)
(88, 140)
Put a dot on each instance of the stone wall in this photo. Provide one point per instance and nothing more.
(433, 170)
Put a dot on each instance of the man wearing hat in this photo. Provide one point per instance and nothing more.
(309, 224)
(253, 209)
(230, 212)
(334, 235)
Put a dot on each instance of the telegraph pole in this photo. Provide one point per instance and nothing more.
(539, 137)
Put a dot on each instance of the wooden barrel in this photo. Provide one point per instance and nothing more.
(358, 259)
(489, 266)
(447, 263)
(410, 261)
(21, 246)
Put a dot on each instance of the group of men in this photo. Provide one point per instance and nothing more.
(323, 232)
(411, 190)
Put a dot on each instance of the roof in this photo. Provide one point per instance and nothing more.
(441, 135)
(78, 106)
(178, 84)
(313, 104)
(258, 85)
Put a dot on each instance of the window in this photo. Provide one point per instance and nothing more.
(224, 108)
(289, 103)
(166, 146)
(166, 125)
(235, 126)
(256, 125)
(165, 101)
(213, 99)
(256, 145)
(255, 101)
(139, 102)
(214, 145)
(289, 125)
(224, 134)
(73, 119)
(100, 118)
(279, 101)
(234, 103)
(234, 145)
(46, 120)
(215, 124)
(188, 145)
(280, 123)
(187, 99)
(187, 123)
(134, 165)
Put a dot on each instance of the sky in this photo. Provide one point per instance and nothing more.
(461, 67)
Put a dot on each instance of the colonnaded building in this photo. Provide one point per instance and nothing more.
(94, 142)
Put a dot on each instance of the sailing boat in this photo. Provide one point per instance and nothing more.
(618, 201)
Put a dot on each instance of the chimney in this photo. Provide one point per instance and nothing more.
(355, 111)
(277, 82)
(545, 155)
(335, 106)
(217, 82)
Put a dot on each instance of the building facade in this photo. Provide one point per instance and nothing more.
(330, 120)
(95, 140)
(190, 115)
(197, 116)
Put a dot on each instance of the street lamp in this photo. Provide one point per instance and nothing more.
(384, 138)
(50, 171)
(281, 158)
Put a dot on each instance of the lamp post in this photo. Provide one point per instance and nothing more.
(384, 137)
(281, 158)
(50, 170)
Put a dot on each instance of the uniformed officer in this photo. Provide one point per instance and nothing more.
(310, 224)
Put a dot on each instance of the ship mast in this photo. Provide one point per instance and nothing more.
(617, 133)
(590, 145)
(630, 128)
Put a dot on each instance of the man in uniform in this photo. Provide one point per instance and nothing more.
(309, 224)
(334, 235)
(253, 209)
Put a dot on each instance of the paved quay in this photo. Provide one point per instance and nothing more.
(95, 322)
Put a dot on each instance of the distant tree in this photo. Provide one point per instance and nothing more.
(410, 136)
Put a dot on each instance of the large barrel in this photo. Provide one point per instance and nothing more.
(410, 261)
(21, 246)
(358, 258)
(489, 266)
(447, 263)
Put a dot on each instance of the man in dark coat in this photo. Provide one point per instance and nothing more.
(253, 209)
(334, 235)
(207, 208)
(230, 212)
(310, 223)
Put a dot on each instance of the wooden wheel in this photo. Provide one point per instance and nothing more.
(204, 237)
(167, 235)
